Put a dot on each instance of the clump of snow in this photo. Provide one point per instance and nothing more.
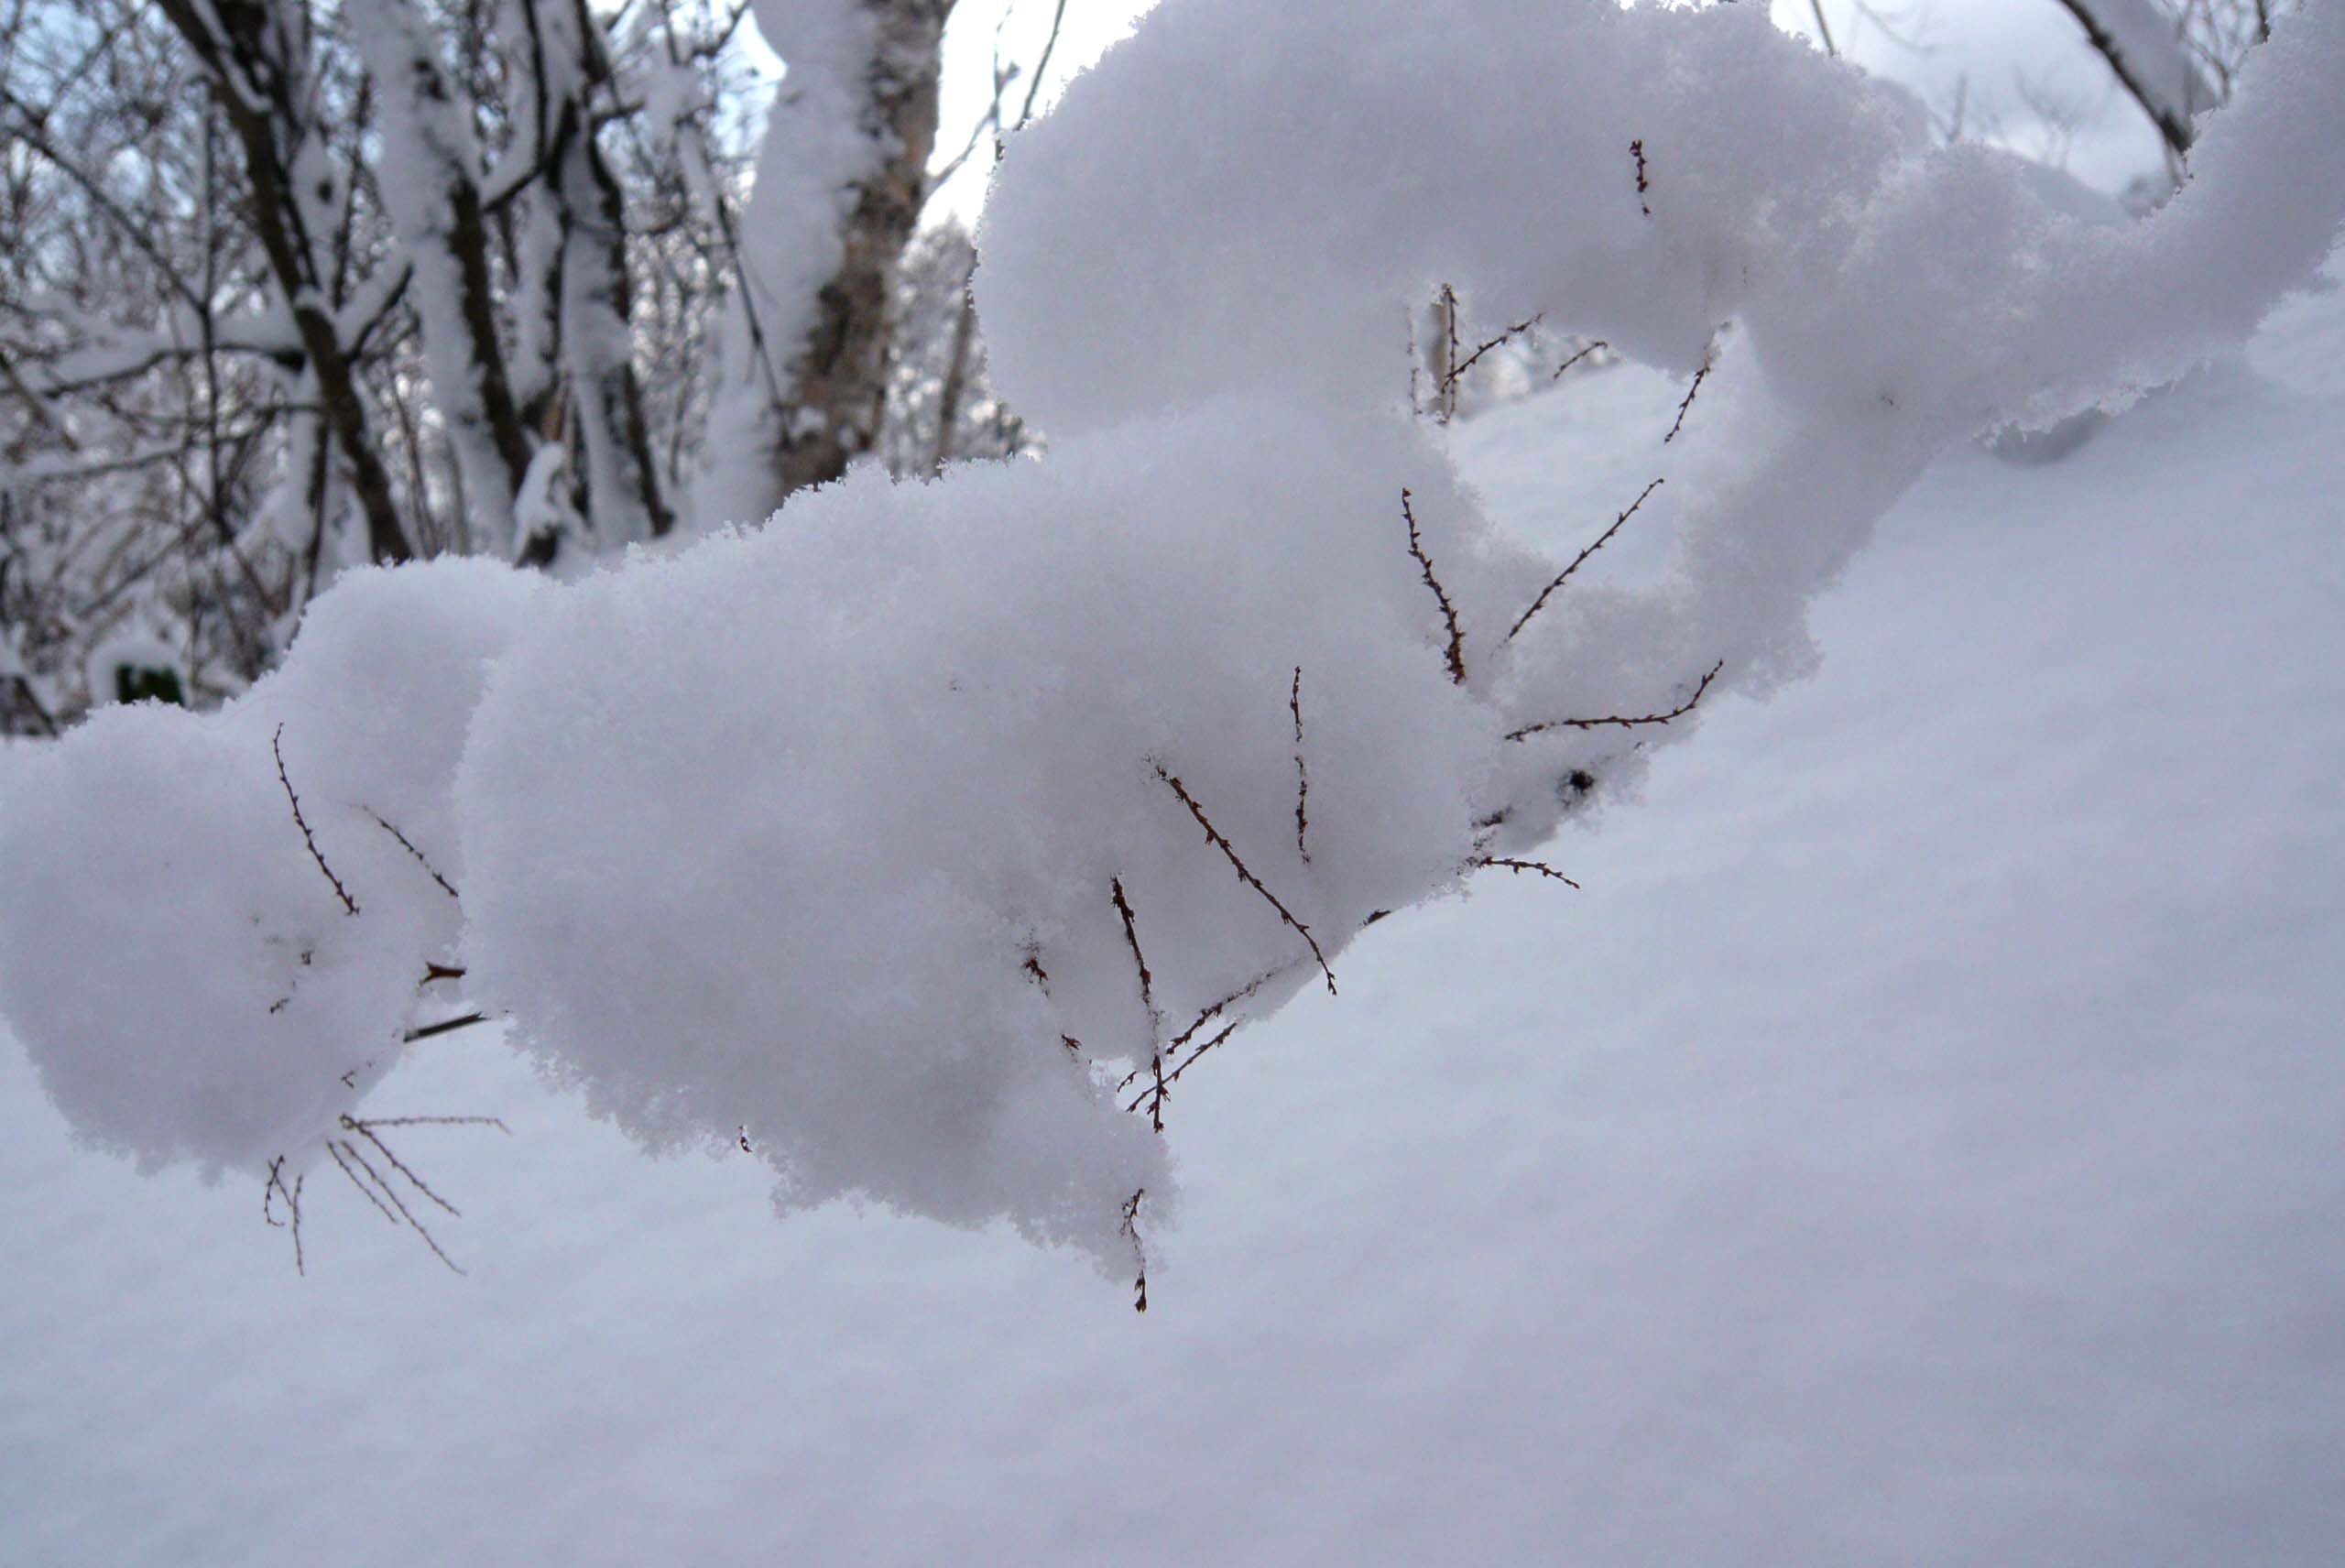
(887, 840)
(189, 982)
(817, 831)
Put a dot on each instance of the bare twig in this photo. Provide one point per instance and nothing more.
(1539, 867)
(392, 1193)
(446, 1026)
(365, 1129)
(1637, 151)
(1139, 1258)
(1229, 853)
(348, 1169)
(1679, 423)
(349, 905)
(1575, 359)
(497, 1122)
(1148, 1000)
(1455, 652)
(1173, 1047)
(2178, 131)
(1041, 67)
(1301, 774)
(445, 886)
(1131, 939)
(292, 1196)
(1459, 370)
(1602, 540)
(1678, 712)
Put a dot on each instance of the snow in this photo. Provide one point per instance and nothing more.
(190, 984)
(1916, 1143)
(1918, 1081)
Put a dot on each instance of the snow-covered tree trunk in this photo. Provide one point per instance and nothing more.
(257, 56)
(576, 261)
(838, 192)
(430, 183)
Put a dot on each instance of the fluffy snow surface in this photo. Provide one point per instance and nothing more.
(1918, 1143)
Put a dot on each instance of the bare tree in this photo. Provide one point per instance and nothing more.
(285, 287)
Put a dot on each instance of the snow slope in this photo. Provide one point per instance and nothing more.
(1919, 1143)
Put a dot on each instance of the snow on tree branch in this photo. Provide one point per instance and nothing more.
(831, 839)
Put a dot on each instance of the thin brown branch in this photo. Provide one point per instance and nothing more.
(1637, 151)
(1678, 712)
(1457, 371)
(1214, 1011)
(293, 1195)
(1148, 1000)
(1575, 359)
(1230, 854)
(1455, 652)
(367, 1131)
(446, 1026)
(1301, 774)
(1577, 561)
(497, 1122)
(1041, 67)
(413, 1223)
(347, 1170)
(349, 905)
(1139, 1258)
(2178, 131)
(1538, 867)
(1679, 423)
(1131, 940)
(445, 886)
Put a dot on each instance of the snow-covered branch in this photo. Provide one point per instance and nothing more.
(887, 840)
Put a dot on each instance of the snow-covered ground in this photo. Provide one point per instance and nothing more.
(1922, 1141)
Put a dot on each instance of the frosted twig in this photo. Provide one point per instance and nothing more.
(1214, 1011)
(1575, 358)
(349, 905)
(1302, 775)
(413, 1223)
(1601, 541)
(1446, 389)
(1139, 961)
(1139, 1258)
(445, 886)
(1455, 652)
(380, 1207)
(1148, 1000)
(1519, 866)
(275, 1186)
(497, 1122)
(1678, 712)
(1456, 371)
(1679, 423)
(1186, 1063)
(1245, 876)
(366, 1131)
